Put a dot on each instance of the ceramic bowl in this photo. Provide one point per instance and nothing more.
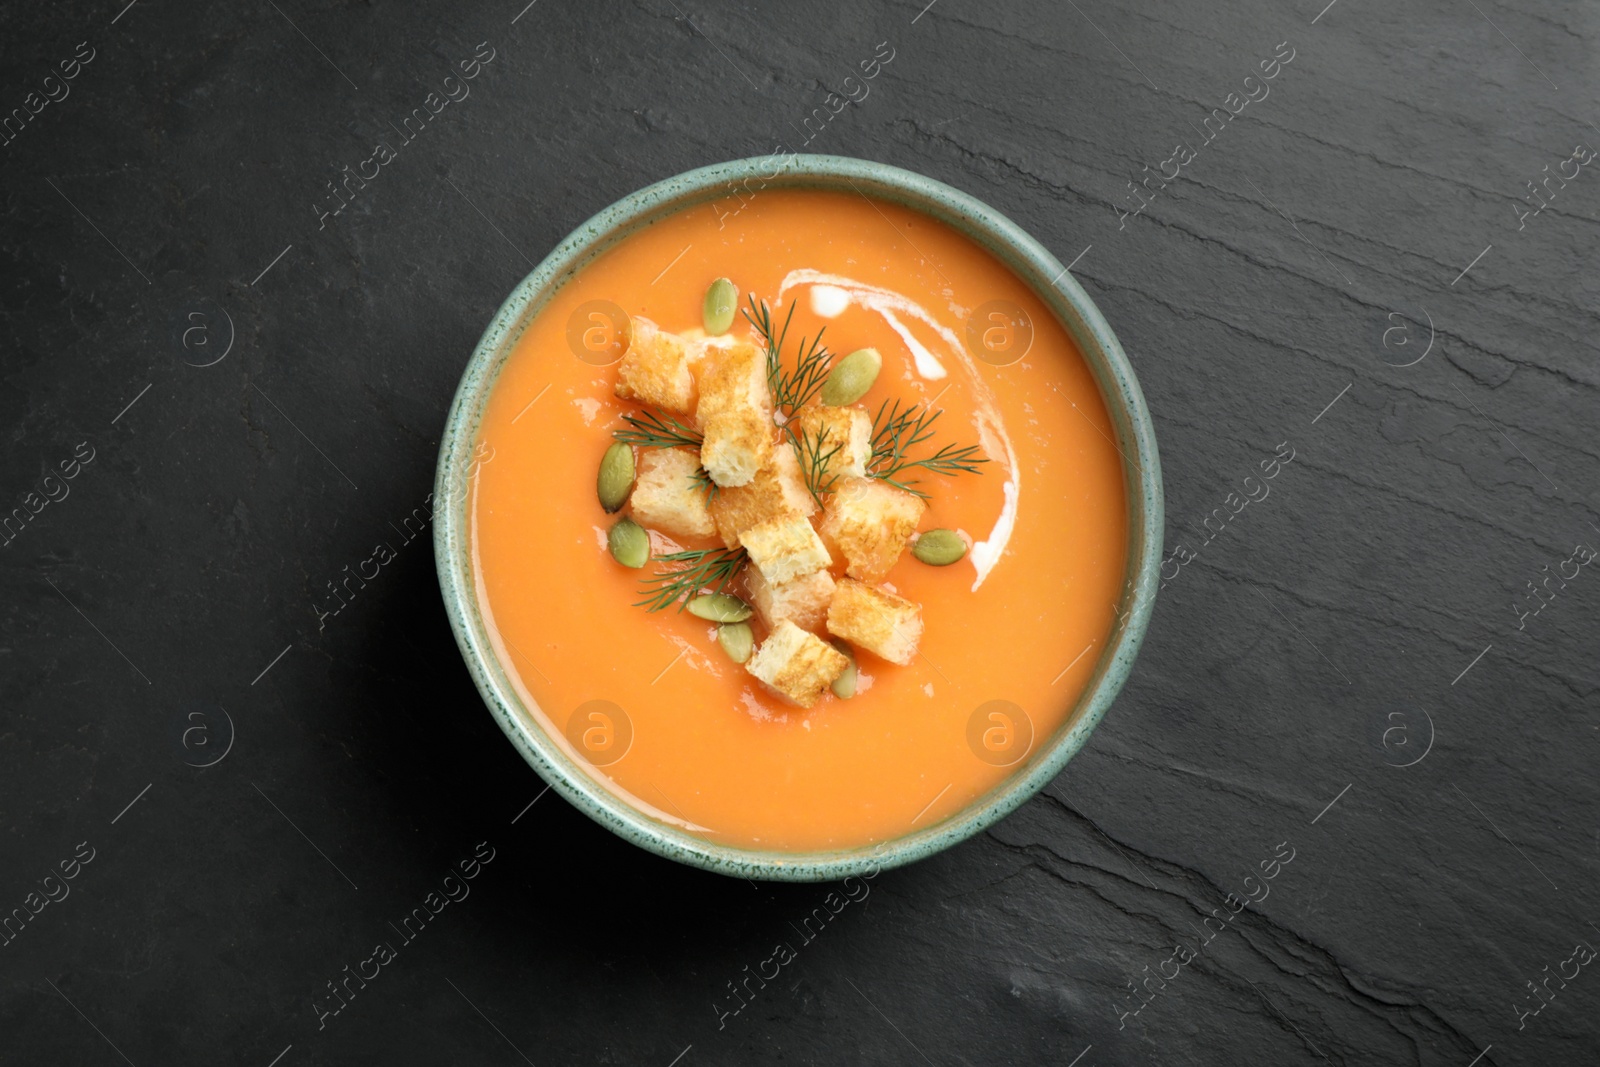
(981, 223)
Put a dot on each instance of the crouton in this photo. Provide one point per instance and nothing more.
(655, 368)
(871, 522)
(802, 601)
(734, 411)
(667, 497)
(737, 444)
(732, 377)
(778, 489)
(785, 548)
(876, 620)
(796, 664)
(847, 429)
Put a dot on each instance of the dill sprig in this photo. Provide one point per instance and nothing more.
(691, 571)
(702, 478)
(791, 390)
(656, 429)
(815, 459)
(896, 431)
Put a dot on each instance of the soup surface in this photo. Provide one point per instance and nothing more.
(1012, 632)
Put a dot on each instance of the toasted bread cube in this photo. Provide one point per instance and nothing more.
(667, 497)
(778, 489)
(871, 522)
(732, 377)
(876, 620)
(847, 429)
(797, 664)
(734, 411)
(803, 601)
(737, 444)
(785, 548)
(655, 368)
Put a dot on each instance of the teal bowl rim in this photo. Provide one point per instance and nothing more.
(1037, 268)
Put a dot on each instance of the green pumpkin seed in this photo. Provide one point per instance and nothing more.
(939, 548)
(630, 544)
(616, 477)
(722, 300)
(851, 377)
(719, 607)
(736, 640)
(844, 686)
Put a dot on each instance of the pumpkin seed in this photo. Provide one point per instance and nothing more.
(844, 686)
(851, 377)
(939, 548)
(616, 477)
(722, 300)
(719, 607)
(629, 543)
(736, 640)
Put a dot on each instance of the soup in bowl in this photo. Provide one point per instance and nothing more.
(798, 517)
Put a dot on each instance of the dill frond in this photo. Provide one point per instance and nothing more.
(656, 429)
(690, 572)
(702, 478)
(791, 390)
(815, 458)
(896, 431)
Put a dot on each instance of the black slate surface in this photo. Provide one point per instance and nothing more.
(1344, 674)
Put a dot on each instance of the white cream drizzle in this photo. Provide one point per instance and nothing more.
(831, 294)
(885, 302)
(829, 301)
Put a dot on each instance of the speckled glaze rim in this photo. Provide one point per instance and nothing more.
(1040, 270)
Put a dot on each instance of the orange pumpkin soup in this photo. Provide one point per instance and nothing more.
(1006, 638)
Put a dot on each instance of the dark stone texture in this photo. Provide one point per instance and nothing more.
(1254, 291)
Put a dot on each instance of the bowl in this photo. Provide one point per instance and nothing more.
(1024, 256)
